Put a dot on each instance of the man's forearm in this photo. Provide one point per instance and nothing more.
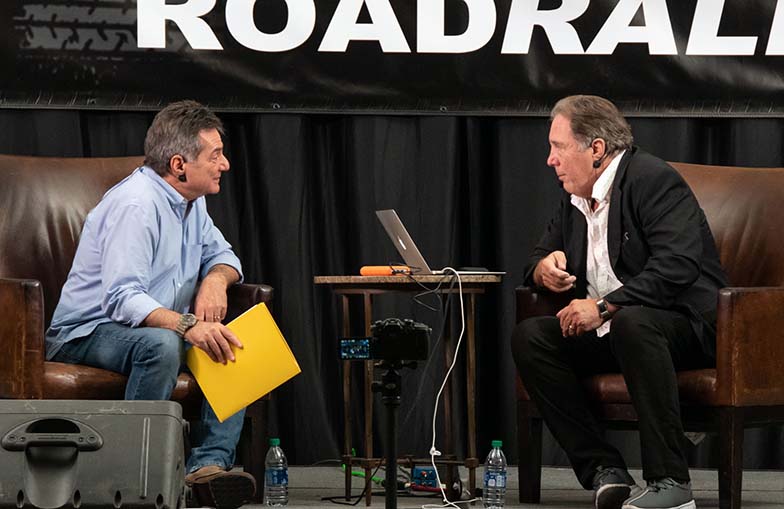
(221, 275)
(162, 318)
(225, 274)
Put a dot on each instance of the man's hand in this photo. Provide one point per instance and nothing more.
(211, 302)
(579, 317)
(215, 339)
(551, 273)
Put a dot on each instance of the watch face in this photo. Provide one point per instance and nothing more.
(188, 319)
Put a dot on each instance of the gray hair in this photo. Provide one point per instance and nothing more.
(593, 117)
(175, 130)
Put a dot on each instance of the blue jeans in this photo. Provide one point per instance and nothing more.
(151, 358)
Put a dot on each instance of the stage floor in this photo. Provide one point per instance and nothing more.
(560, 490)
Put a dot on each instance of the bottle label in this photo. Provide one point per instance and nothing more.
(276, 477)
(495, 479)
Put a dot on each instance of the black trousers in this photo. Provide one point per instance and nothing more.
(647, 346)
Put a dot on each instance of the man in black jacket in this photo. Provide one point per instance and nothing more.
(631, 242)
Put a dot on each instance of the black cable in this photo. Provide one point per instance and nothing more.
(337, 498)
(434, 348)
(327, 461)
(428, 291)
(443, 308)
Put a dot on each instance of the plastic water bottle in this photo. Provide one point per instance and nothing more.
(494, 490)
(276, 475)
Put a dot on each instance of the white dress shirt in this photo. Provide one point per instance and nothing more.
(598, 271)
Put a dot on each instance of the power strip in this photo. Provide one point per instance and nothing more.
(424, 476)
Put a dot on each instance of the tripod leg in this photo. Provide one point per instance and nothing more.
(391, 393)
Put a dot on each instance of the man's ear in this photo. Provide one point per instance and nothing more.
(598, 149)
(175, 164)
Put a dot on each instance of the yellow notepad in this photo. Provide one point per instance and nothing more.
(264, 362)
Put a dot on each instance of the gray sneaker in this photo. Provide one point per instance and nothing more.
(663, 494)
(611, 486)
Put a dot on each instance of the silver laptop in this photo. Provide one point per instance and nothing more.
(408, 250)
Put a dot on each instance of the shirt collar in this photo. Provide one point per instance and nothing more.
(602, 186)
(177, 202)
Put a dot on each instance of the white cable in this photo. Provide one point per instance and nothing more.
(433, 451)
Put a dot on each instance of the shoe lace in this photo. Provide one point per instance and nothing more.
(602, 474)
(662, 484)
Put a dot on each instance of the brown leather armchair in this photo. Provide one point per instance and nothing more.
(44, 204)
(744, 207)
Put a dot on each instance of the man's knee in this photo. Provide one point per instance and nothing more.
(627, 318)
(631, 327)
(529, 336)
(163, 347)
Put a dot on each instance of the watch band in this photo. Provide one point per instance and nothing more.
(185, 322)
(604, 313)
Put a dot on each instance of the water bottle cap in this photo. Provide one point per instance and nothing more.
(274, 441)
(497, 443)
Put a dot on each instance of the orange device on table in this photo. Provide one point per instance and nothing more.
(384, 270)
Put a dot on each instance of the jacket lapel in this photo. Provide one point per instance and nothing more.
(577, 250)
(614, 220)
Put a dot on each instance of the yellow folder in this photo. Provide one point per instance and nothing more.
(264, 362)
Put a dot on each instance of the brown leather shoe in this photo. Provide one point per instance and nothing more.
(215, 487)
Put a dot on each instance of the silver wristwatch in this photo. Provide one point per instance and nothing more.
(604, 313)
(186, 321)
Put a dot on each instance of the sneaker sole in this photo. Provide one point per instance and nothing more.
(612, 496)
(688, 505)
(226, 492)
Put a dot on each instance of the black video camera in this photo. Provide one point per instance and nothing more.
(393, 340)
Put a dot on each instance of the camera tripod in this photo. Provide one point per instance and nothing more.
(389, 387)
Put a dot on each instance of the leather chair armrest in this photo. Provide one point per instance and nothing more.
(243, 296)
(21, 339)
(538, 302)
(750, 346)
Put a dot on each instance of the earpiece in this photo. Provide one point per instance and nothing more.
(181, 177)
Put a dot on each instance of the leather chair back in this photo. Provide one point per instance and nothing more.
(44, 204)
(750, 243)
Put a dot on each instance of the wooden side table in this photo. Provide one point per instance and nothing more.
(366, 287)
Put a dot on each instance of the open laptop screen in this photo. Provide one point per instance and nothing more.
(408, 250)
(403, 241)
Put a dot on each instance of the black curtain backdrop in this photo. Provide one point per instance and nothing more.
(473, 191)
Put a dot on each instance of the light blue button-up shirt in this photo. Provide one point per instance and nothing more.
(143, 247)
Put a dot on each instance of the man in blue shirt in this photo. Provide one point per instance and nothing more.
(126, 305)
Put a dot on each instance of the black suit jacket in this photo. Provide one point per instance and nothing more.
(661, 247)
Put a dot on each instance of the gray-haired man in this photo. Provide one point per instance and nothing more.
(631, 242)
(126, 305)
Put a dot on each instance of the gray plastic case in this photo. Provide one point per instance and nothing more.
(83, 454)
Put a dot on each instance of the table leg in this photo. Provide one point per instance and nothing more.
(346, 329)
(368, 308)
(471, 387)
(449, 352)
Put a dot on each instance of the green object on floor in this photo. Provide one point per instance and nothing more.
(359, 473)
